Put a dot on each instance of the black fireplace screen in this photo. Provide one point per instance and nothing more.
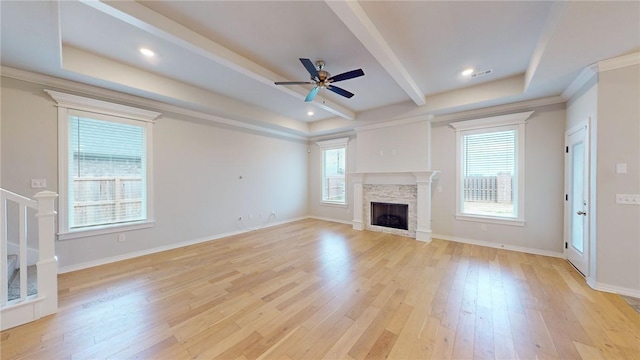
(390, 215)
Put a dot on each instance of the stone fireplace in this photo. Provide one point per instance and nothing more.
(412, 189)
(390, 194)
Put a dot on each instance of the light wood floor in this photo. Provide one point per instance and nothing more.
(314, 289)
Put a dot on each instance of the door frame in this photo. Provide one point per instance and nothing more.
(587, 191)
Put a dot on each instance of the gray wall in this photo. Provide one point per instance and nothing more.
(402, 147)
(197, 169)
(612, 100)
(544, 175)
(618, 139)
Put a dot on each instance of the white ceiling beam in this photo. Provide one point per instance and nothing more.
(89, 64)
(556, 14)
(148, 20)
(354, 17)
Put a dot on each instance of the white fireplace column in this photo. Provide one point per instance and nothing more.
(423, 228)
(358, 222)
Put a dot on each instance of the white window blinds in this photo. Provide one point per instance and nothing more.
(489, 173)
(107, 176)
(489, 154)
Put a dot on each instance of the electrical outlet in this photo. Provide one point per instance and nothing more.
(121, 238)
(628, 199)
(483, 227)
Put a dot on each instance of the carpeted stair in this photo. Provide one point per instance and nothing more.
(13, 274)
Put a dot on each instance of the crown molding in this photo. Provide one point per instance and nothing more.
(585, 75)
(493, 110)
(391, 123)
(502, 120)
(90, 90)
(333, 143)
(619, 62)
(92, 105)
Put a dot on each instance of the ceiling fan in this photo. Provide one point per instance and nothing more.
(322, 80)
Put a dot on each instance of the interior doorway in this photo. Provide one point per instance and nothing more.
(577, 197)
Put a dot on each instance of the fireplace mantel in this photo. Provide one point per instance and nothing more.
(423, 181)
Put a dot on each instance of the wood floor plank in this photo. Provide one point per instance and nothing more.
(313, 289)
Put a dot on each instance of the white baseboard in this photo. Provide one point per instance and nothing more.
(131, 255)
(348, 222)
(499, 246)
(613, 288)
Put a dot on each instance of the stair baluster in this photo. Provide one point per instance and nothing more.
(26, 308)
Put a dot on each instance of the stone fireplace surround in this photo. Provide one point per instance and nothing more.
(412, 188)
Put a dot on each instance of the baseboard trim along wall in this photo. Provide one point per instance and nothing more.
(613, 288)
(522, 249)
(348, 222)
(131, 255)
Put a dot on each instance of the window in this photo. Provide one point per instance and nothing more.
(104, 168)
(334, 154)
(490, 169)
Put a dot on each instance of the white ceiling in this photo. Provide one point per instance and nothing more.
(220, 58)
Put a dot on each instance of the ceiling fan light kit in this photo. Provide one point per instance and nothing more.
(323, 80)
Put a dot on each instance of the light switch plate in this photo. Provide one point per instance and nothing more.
(628, 199)
(38, 183)
(621, 168)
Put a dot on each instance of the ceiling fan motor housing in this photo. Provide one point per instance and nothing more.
(322, 74)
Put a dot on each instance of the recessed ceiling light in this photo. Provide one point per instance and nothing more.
(147, 52)
(310, 113)
(467, 72)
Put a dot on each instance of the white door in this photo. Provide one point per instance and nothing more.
(577, 198)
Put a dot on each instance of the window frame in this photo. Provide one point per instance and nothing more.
(333, 145)
(514, 122)
(73, 105)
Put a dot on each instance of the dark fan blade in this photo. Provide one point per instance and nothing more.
(310, 67)
(312, 94)
(346, 76)
(293, 82)
(340, 91)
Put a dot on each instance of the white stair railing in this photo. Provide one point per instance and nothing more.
(29, 308)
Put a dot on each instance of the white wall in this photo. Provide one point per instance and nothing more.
(197, 169)
(402, 147)
(544, 161)
(618, 138)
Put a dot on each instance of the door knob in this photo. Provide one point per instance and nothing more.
(582, 212)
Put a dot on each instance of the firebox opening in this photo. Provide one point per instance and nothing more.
(390, 215)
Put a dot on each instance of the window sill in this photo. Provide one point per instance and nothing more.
(333, 204)
(491, 220)
(109, 229)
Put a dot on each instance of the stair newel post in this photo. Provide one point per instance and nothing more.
(47, 262)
